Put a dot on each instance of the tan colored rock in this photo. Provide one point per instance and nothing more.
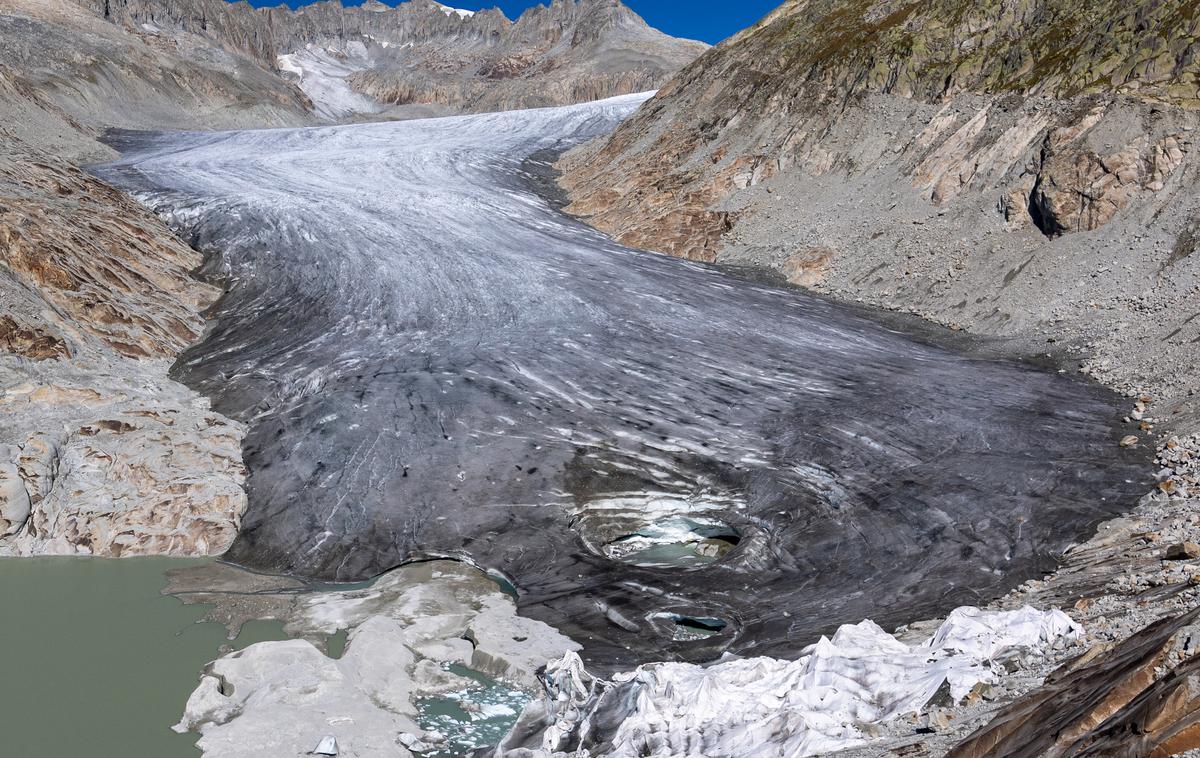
(808, 267)
(1182, 551)
(29, 342)
(100, 452)
(1106, 704)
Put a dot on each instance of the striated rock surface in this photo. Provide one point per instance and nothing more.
(100, 452)
(285, 698)
(1108, 702)
(1017, 168)
(420, 55)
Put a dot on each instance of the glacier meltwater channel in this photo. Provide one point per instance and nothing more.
(435, 361)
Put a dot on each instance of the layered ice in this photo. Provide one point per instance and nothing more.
(434, 361)
(769, 708)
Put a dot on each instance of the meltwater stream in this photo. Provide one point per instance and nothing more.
(434, 361)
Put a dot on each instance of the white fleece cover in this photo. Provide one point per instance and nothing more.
(760, 707)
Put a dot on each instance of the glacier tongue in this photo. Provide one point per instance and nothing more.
(770, 707)
(433, 360)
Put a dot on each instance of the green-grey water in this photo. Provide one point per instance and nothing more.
(97, 662)
(470, 718)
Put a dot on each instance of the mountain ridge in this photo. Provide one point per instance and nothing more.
(418, 53)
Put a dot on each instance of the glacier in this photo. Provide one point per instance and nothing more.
(433, 360)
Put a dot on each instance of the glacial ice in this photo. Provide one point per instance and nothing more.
(433, 360)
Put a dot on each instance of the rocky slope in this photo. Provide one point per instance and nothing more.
(66, 75)
(101, 453)
(420, 53)
(1025, 169)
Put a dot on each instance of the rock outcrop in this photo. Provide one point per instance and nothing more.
(420, 53)
(1025, 169)
(100, 452)
(570, 52)
(1108, 702)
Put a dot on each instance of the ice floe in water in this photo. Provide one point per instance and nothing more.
(759, 707)
(469, 718)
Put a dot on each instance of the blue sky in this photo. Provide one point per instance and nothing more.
(707, 20)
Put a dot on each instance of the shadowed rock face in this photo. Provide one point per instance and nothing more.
(434, 361)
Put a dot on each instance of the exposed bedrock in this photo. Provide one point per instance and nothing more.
(65, 75)
(667, 460)
(363, 58)
(100, 452)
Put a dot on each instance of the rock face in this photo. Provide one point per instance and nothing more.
(572, 51)
(420, 53)
(101, 453)
(1108, 702)
(1016, 168)
(286, 698)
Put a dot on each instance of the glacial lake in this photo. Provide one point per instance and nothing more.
(97, 661)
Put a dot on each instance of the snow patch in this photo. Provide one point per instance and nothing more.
(321, 73)
(454, 11)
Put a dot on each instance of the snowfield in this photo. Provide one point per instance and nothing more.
(321, 74)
